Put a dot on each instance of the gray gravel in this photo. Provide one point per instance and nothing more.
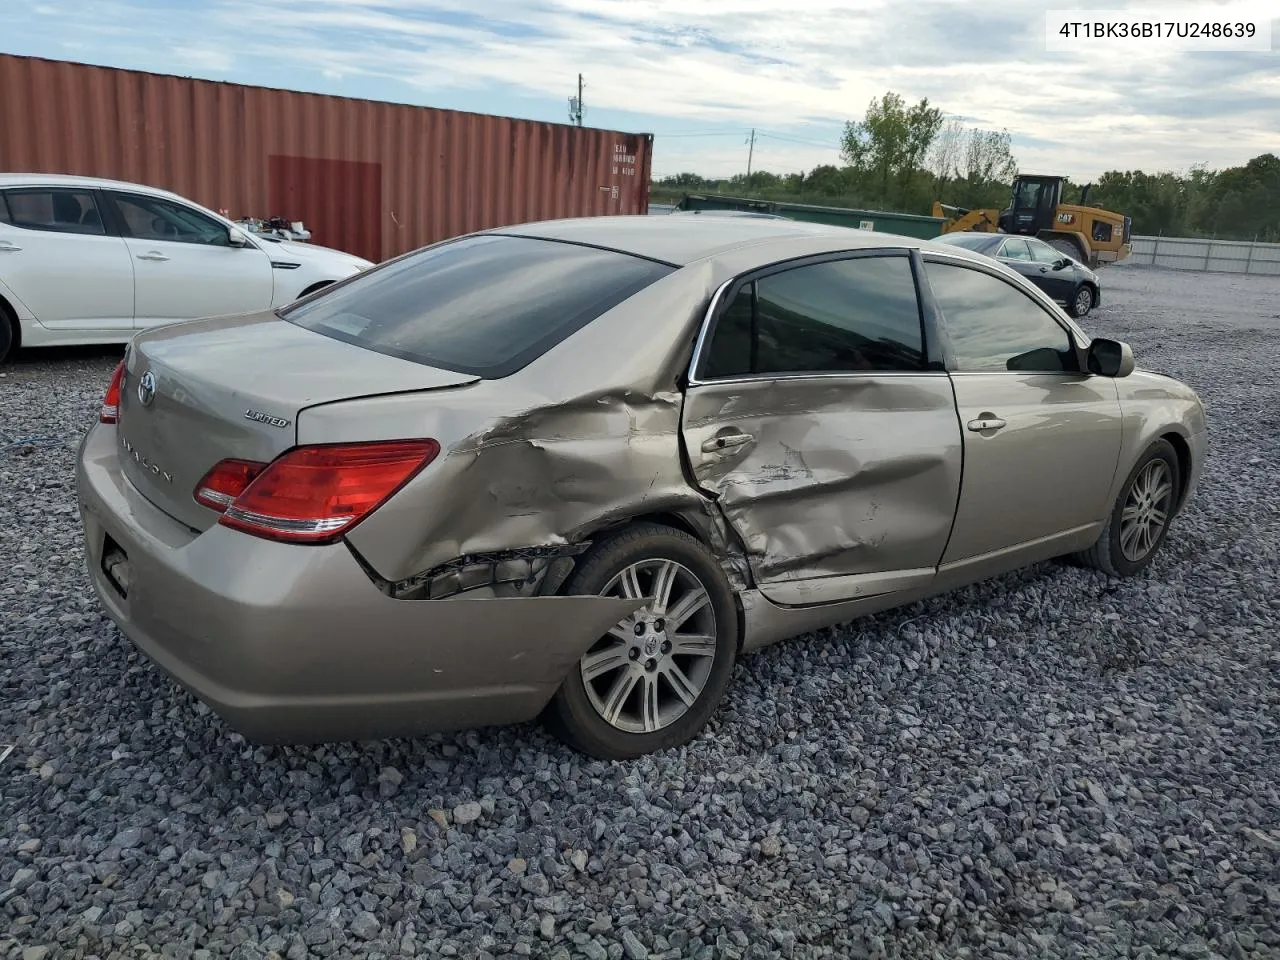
(1050, 764)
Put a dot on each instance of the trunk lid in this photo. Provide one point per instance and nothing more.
(200, 392)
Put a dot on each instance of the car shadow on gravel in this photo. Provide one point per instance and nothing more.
(30, 356)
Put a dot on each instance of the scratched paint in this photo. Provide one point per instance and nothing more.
(844, 476)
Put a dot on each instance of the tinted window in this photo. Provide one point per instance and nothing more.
(486, 305)
(152, 218)
(730, 354)
(1043, 253)
(63, 211)
(995, 326)
(1015, 249)
(844, 315)
(4, 210)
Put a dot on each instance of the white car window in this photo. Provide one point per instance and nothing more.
(153, 218)
(56, 210)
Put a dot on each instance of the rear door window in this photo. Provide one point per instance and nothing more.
(486, 305)
(57, 210)
(1015, 249)
(837, 316)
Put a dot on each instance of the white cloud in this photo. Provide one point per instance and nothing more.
(727, 64)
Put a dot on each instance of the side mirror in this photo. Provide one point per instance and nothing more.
(1061, 263)
(1110, 358)
(237, 237)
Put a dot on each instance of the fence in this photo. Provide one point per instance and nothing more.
(1216, 256)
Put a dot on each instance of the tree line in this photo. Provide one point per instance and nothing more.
(903, 156)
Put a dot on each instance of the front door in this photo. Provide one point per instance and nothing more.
(815, 422)
(184, 265)
(1041, 439)
(1056, 280)
(60, 260)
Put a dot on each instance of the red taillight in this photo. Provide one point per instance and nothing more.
(316, 494)
(227, 480)
(111, 402)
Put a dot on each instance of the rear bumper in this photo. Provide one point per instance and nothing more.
(294, 644)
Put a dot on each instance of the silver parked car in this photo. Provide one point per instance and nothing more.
(575, 469)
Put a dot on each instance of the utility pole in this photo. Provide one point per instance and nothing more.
(575, 105)
(750, 153)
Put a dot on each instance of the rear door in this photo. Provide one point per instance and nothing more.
(1041, 438)
(817, 419)
(59, 258)
(184, 265)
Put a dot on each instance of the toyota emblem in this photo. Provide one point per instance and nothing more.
(147, 388)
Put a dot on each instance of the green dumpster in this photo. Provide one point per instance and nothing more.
(904, 224)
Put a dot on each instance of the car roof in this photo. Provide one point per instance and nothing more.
(684, 240)
(11, 180)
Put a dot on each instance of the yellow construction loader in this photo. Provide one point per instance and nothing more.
(1090, 235)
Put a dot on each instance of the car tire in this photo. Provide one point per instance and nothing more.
(634, 692)
(1082, 301)
(1117, 552)
(8, 333)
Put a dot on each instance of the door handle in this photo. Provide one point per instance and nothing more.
(988, 421)
(1044, 269)
(7, 247)
(725, 442)
(155, 255)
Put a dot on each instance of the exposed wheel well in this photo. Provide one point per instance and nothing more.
(1183, 451)
(665, 519)
(10, 316)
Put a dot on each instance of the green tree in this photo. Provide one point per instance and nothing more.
(890, 143)
(826, 180)
(1243, 202)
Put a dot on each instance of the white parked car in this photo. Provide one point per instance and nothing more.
(94, 261)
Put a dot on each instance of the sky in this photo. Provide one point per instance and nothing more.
(701, 74)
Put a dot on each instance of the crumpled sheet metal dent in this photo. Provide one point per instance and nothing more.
(844, 477)
(565, 462)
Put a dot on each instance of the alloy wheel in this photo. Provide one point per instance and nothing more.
(1146, 510)
(1084, 301)
(649, 669)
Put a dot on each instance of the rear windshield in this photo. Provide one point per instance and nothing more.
(485, 305)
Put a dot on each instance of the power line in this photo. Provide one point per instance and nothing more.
(811, 143)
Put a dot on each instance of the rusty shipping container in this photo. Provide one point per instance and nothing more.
(375, 179)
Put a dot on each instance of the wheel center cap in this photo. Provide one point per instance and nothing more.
(650, 645)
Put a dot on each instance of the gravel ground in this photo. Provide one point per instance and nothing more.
(1049, 764)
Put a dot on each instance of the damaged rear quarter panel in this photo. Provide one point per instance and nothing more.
(586, 435)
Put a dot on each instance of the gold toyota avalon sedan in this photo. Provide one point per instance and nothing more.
(575, 469)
